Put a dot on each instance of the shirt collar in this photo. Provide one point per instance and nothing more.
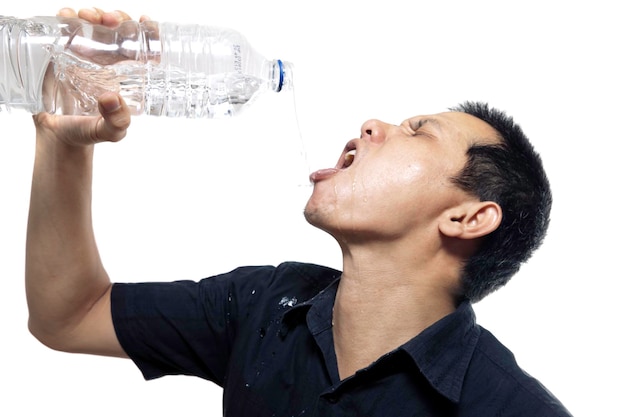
(442, 352)
(321, 306)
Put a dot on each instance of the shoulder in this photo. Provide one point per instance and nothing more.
(285, 284)
(502, 387)
(287, 275)
(316, 275)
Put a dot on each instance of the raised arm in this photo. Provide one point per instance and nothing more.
(68, 289)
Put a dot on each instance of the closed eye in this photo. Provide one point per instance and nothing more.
(420, 123)
(416, 126)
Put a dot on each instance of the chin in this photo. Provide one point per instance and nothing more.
(312, 216)
(317, 218)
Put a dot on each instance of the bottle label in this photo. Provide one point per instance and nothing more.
(237, 59)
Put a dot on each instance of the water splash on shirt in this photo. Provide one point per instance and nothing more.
(288, 302)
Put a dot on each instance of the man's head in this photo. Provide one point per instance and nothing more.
(430, 195)
(511, 174)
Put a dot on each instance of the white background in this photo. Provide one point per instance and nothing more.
(183, 199)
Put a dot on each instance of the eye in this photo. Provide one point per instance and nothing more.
(411, 126)
(422, 127)
(417, 126)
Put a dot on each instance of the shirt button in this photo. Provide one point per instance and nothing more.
(333, 398)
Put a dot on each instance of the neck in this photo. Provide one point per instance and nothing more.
(385, 299)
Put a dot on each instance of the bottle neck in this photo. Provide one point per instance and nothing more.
(281, 75)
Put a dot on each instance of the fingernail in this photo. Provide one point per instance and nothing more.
(92, 11)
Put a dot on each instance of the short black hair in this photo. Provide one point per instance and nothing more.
(510, 173)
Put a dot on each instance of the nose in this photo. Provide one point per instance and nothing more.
(374, 130)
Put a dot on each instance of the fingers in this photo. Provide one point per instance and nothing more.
(67, 12)
(97, 16)
(114, 18)
(93, 15)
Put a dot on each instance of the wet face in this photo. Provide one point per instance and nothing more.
(395, 179)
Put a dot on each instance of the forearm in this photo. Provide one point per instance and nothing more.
(64, 274)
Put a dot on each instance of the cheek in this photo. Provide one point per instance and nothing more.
(379, 195)
(392, 182)
(403, 193)
(382, 194)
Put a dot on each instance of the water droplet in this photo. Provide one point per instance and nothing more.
(288, 302)
(253, 292)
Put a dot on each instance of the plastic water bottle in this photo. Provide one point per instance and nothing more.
(62, 65)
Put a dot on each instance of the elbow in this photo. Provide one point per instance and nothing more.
(45, 336)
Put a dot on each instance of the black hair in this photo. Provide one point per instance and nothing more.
(511, 174)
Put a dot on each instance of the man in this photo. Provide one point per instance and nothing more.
(430, 215)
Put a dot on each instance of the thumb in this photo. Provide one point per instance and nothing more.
(110, 125)
(114, 121)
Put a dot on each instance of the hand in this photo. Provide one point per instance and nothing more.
(111, 125)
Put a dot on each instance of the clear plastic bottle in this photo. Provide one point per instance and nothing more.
(61, 65)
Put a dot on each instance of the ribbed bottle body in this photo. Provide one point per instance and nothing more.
(26, 49)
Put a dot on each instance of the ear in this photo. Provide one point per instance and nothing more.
(471, 220)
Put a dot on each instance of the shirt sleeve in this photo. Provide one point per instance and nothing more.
(182, 327)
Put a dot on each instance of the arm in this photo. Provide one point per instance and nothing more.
(67, 288)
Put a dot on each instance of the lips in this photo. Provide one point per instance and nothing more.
(345, 161)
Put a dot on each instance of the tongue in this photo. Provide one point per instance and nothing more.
(322, 174)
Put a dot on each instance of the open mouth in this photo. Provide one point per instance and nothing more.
(348, 158)
(348, 155)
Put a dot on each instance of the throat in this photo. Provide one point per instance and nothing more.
(366, 329)
(356, 348)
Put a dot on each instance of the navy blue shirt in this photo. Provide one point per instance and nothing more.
(265, 335)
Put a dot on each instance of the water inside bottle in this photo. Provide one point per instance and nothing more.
(153, 90)
(150, 89)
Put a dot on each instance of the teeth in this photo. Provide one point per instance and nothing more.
(349, 158)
